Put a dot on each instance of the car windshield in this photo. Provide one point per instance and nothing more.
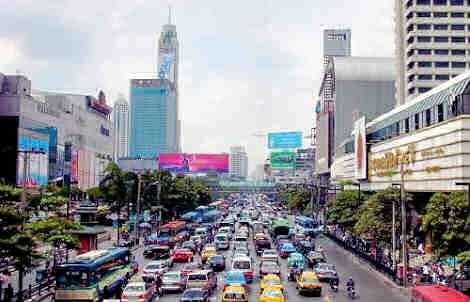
(272, 293)
(309, 279)
(326, 267)
(241, 264)
(197, 277)
(135, 288)
(270, 265)
(273, 282)
(269, 253)
(155, 266)
(190, 293)
(234, 296)
(171, 276)
(235, 276)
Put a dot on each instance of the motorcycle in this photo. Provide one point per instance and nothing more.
(351, 292)
(334, 284)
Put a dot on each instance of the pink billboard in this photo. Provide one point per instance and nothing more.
(193, 163)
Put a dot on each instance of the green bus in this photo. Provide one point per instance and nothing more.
(93, 275)
(279, 226)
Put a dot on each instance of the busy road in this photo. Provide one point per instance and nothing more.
(369, 286)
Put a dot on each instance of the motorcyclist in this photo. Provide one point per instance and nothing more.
(350, 284)
(334, 282)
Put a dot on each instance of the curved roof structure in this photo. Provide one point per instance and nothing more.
(364, 69)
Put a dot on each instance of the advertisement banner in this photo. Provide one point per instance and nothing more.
(360, 148)
(193, 163)
(284, 159)
(36, 151)
(285, 140)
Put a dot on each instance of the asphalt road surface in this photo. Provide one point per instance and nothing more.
(369, 286)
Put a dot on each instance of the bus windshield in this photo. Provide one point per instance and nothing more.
(72, 278)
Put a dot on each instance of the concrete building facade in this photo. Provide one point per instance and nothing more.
(121, 127)
(432, 38)
(73, 134)
(238, 162)
(153, 118)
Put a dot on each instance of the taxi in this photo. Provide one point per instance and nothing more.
(271, 294)
(207, 252)
(271, 280)
(234, 293)
(307, 283)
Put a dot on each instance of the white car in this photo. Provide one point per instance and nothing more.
(196, 239)
(153, 269)
(269, 255)
(138, 292)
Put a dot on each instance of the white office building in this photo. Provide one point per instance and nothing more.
(121, 127)
(432, 38)
(238, 162)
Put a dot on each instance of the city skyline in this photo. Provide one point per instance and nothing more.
(283, 44)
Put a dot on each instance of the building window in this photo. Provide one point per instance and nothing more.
(427, 116)
(440, 2)
(416, 121)
(441, 39)
(423, 2)
(396, 129)
(424, 39)
(456, 2)
(458, 26)
(423, 14)
(425, 77)
(458, 64)
(423, 89)
(440, 113)
(441, 52)
(440, 14)
(441, 26)
(411, 91)
(409, 16)
(410, 28)
(411, 65)
(458, 52)
(424, 26)
(411, 40)
(458, 39)
(410, 52)
(457, 15)
(441, 64)
(424, 64)
(442, 77)
(407, 125)
(411, 78)
(424, 51)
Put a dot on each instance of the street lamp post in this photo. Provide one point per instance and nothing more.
(394, 232)
(403, 226)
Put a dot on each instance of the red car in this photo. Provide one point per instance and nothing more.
(182, 255)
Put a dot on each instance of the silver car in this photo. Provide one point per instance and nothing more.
(173, 282)
(153, 269)
(138, 292)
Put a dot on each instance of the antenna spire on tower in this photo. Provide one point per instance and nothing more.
(169, 14)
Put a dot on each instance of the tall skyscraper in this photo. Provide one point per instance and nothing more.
(153, 118)
(121, 127)
(238, 162)
(168, 63)
(431, 39)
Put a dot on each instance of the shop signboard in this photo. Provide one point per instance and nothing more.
(283, 159)
(360, 149)
(285, 140)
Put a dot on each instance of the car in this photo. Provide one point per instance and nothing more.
(189, 245)
(242, 250)
(286, 249)
(245, 265)
(269, 255)
(217, 263)
(271, 294)
(157, 252)
(226, 230)
(182, 255)
(314, 257)
(209, 250)
(190, 267)
(222, 241)
(325, 272)
(201, 231)
(196, 239)
(307, 283)
(234, 293)
(299, 237)
(262, 242)
(205, 279)
(269, 267)
(238, 244)
(173, 282)
(271, 280)
(154, 268)
(235, 277)
(461, 280)
(194, 295)
(138, 292)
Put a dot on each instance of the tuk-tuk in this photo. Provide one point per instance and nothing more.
(295, 265)
(305, 246)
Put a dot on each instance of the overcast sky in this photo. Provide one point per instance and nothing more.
(246, 66)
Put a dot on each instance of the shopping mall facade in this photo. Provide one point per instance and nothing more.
(423, 144)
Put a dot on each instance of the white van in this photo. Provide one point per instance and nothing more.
(243, 264)
(222, 241)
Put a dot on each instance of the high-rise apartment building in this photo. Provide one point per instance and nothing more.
(238, 162)
(432, 38)
(121, 127)
(168, 63)
(153, 125)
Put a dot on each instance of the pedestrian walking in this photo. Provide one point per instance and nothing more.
(8, 293)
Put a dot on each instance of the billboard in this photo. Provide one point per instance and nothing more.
(360, 148)
(36, 148)
(193, 163)
(285, 140)
(284, 159)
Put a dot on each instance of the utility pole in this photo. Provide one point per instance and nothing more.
(137, 206)
(394, 236)
(403, 227)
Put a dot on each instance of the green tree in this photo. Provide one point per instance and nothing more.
(53, 202)
(375, 216)
(344, 209)
(56, 231)
(447, 218)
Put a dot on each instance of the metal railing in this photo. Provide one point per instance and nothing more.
(36, 292)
